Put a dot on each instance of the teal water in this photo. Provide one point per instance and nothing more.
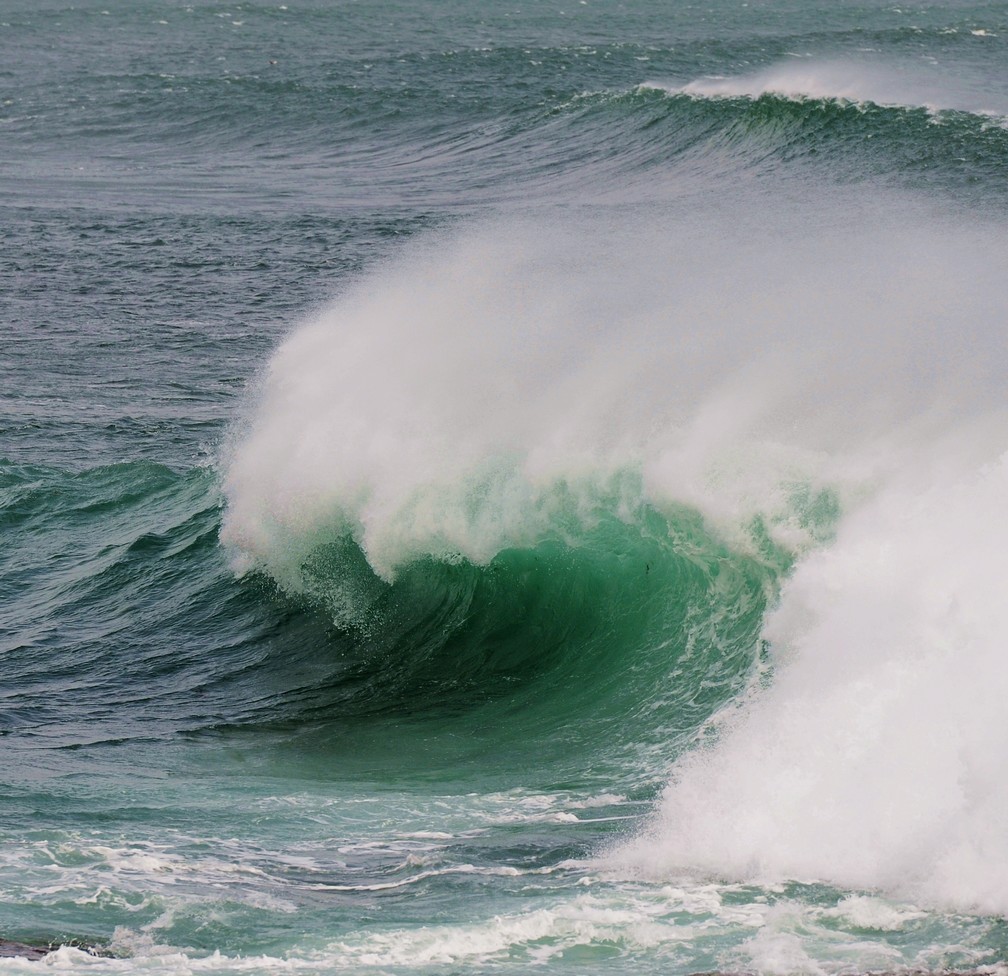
(494, 488)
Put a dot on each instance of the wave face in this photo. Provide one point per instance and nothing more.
(486, 488)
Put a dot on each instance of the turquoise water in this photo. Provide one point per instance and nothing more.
(488, 488)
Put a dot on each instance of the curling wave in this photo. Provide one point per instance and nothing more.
(514, 482)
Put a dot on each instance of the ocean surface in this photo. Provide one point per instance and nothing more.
(504, 487)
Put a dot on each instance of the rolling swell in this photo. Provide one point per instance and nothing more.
(476, 122)
(615, 141)
(655, 127)
(119, 571)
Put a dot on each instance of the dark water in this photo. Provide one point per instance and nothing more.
(495, 487)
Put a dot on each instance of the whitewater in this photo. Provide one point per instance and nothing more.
(496, 490)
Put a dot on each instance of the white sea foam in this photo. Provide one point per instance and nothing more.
(876, 759)
(864, 912)
(668, 926)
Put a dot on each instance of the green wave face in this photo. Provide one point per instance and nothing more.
(647, 625)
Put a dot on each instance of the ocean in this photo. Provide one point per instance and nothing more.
(504, 487)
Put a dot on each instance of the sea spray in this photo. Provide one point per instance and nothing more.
(911, 84)
(445, 404)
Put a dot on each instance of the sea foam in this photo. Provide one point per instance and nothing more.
(875, 760)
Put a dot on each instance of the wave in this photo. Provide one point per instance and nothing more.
(590, 621)
(617, 139)
(125, 574)
(573, 459)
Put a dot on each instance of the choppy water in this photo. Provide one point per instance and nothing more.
(493, 487)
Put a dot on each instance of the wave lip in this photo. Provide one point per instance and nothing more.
(435, 410)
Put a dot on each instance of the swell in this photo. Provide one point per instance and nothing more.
(113, 628)
(619, 139)
(499, 143)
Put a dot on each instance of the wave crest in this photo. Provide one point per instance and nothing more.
(892, 86)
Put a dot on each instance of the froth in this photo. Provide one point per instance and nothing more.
(876, 759)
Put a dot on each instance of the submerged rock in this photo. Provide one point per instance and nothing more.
(10, 948)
